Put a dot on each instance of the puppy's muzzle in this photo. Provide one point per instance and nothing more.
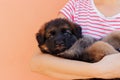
(59, 44)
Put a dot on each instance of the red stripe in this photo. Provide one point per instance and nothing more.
(66, 13)
(96, 31)
(71, 6)
(115, 25)
(97, 35)
(96, 23)
(100, 28)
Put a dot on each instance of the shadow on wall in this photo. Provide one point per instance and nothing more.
(19, 21)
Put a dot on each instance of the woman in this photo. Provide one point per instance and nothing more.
(97, 18)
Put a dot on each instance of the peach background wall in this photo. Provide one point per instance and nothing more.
(19, 21)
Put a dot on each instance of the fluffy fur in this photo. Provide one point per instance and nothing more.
(57, 36)
(63, 38)
(86, 49)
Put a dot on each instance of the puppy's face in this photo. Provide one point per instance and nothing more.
(58, 35)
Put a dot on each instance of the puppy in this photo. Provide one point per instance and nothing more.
(58, 35)
(64, 38)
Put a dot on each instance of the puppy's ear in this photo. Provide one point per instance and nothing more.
(77, 30)
(40, 37)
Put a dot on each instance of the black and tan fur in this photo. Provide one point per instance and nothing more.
(63, 38)
(58, 35)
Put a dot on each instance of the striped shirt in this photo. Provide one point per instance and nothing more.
(93, 23)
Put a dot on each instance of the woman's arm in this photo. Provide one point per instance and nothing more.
(109, 66)
(61, 68)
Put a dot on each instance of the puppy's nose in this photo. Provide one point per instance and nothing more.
(59, 43)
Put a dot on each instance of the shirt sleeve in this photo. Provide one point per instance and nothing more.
(69, 9)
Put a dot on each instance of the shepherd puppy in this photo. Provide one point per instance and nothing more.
(64, 38)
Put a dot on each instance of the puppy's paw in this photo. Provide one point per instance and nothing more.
(66, 54)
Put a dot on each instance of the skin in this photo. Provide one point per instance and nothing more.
(60, 68)
(66, 69)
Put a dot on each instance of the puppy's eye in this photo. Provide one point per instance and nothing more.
(67, 32)
(51, 34)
